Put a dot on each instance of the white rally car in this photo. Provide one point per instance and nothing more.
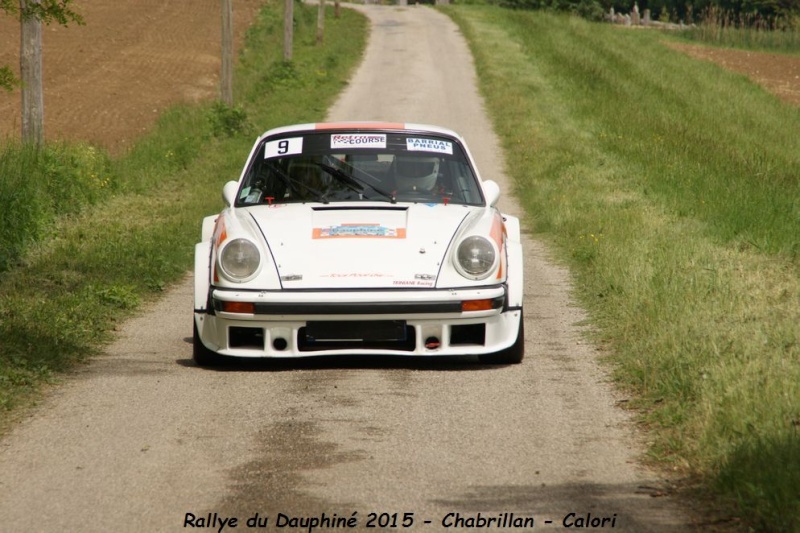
(359, 238)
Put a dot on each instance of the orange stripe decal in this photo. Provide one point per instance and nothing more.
(498, 235)
(219, 231)
(360, 126)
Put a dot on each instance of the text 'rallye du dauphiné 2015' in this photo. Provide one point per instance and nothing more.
(359, 238)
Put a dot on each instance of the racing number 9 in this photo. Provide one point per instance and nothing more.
(281, 147)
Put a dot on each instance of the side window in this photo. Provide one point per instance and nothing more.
(464, 182)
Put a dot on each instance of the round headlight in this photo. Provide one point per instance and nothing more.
(239, 259)
(475, 257)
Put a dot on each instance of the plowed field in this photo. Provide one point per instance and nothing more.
(780, 74)
(106, 81)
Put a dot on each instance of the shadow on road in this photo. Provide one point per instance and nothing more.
(381, 362)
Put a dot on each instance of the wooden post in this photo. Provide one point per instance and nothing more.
(336, 9)
(288, 29)
(321, 22)
(30, 62)
(226, 76)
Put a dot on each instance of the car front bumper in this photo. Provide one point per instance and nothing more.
(391, 322)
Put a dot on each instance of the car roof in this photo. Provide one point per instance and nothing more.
(363, 126)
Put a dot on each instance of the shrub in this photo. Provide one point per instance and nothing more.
(228, 121)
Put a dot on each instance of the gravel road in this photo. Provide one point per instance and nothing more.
(142, 440)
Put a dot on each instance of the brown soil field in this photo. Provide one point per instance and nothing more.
(107, 81)
(779, 74)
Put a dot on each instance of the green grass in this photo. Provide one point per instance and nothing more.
(114, 233)
(672, 189)
(37, 186)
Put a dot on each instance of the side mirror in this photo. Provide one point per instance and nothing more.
(491, 191)
(229, 192)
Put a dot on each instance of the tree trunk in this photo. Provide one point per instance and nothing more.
(321, 22)
(30, 62)
(288, 29)
(226, 77)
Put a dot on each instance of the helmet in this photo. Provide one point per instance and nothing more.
(415, 173)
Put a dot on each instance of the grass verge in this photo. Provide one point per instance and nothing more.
(38, 186)
(672, 189)
(81, 272)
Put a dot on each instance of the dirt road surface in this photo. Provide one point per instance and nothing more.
(140, 437)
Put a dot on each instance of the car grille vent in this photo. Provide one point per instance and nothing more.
(355, 335)
(470, 334)
(246, 338)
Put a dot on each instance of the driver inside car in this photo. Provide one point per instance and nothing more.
(415, 174)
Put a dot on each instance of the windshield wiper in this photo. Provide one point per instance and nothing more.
(349, 182)
(288, 181)
(354, 183)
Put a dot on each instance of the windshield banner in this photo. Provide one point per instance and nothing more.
(358, 140)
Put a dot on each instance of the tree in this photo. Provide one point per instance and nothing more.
(226, 76)
(321, 21)
(31, 14)
(788, 11)
(46, 11)
(30, 68)
(772, 8)
(288, 29)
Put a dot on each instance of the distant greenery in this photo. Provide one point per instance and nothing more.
(86, 238)
(778, 14)
(748, 31)
(770, 25)
(672, 189)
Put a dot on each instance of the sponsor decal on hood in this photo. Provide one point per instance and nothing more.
(356, 230)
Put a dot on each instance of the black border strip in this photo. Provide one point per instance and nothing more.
(377, 291)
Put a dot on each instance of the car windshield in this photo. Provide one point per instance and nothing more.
(343, 166)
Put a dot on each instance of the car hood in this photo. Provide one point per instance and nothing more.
(356, 246)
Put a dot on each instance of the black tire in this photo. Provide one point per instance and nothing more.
(203, 356)
(512, 355)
